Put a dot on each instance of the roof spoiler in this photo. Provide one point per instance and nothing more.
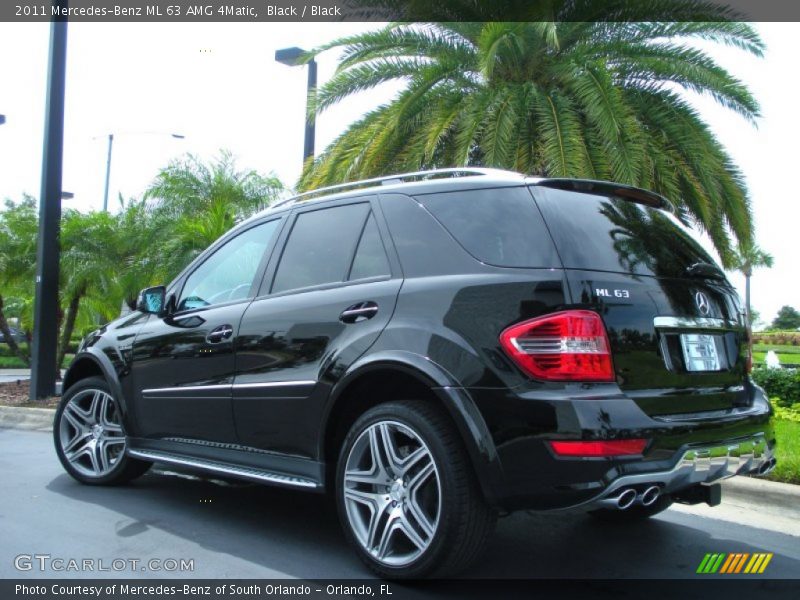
(608, 188)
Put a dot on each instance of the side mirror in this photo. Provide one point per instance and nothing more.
(152, 300)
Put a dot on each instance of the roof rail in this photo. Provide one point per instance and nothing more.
(396, 179)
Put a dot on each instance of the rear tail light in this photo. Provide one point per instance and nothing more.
(599, 448)
(565, 346)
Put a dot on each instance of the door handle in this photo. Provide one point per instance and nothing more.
(359, 312)
(221, 333)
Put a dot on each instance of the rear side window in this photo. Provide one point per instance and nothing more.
(604, 233)
(499, 227)
(370, 259)
(320, 247)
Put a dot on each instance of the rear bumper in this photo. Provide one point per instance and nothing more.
(683, 450)
(704, 465)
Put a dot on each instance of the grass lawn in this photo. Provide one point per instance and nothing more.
(14, 362)
(786, 359)
(787, 452)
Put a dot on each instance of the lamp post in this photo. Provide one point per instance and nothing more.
(177, 136)
(2, 119)
(45, 307)
(292, 57)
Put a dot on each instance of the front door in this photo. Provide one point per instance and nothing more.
(183, 363)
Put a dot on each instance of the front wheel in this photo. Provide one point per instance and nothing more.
(90, 437)
(408, 500)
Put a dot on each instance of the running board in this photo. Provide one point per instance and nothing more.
(223, 468)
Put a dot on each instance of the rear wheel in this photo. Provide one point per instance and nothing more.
(90, 437)
(634, 513)
(408, 500)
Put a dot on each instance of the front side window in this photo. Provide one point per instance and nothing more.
(228, 273)
(320, 247)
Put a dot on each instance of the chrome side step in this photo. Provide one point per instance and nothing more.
(249, 473)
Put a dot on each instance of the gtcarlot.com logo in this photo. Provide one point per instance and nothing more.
(47, 562)
(734, 563)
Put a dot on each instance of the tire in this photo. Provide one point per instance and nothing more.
(634, 513)
(432, 518)
(90, 438)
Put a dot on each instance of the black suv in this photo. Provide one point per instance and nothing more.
(435, 348)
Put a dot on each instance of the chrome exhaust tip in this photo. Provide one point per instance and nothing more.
(650, 495)
(767, 466)
(626, 499)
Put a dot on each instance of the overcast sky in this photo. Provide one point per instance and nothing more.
(219, 86)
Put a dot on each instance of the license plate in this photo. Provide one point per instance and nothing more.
(700, 352)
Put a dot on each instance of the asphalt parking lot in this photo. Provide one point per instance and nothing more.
(250, 531)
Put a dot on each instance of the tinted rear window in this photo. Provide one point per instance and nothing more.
(320, 247)
(610, 234)
(499, 227)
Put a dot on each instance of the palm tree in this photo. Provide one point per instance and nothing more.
(747, 258)
(194, 203)
(570, 97)
(18, 227)
(89, 268)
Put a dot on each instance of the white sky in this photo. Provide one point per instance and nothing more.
(218, 85)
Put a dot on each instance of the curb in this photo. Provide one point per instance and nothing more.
(764, 495)
(31, 419)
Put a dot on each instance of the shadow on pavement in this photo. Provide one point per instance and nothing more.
(298, 533)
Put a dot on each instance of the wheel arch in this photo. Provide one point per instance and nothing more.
(92, 364)
(406, 375)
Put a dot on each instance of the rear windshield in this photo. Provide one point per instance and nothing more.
(499, 227)
(597, 232)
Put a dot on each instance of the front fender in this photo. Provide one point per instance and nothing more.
(99, 361)
(456, 400)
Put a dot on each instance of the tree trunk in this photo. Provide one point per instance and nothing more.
(747, 300)
(69, 326)
(12, 343)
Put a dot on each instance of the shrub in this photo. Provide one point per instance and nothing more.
(781, 338)
(783, 385)
(791, 413)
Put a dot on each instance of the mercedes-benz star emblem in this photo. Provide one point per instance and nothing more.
(702, 302)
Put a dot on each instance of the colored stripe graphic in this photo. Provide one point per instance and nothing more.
(711, 563)
(723, 563)
(764, 564)
(727, 565)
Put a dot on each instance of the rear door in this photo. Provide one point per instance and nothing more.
(331, 292)
(675, 324)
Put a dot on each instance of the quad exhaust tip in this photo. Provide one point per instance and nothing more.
(767, 466)
(650, 495)
(630, 496)
(626, 499)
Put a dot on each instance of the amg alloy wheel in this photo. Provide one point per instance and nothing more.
(392, 493)
(407, 497)
(89, 435)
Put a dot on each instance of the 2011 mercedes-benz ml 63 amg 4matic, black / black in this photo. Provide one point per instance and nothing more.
(434, 348)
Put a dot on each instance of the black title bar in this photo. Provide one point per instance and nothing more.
(144, 11)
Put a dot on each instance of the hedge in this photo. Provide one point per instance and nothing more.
(782, 385)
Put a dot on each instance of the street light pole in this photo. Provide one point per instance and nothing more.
(108, 171)
(293, 57)
(2, 119)
(177, 136)
(45, 308)
(308, 146)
